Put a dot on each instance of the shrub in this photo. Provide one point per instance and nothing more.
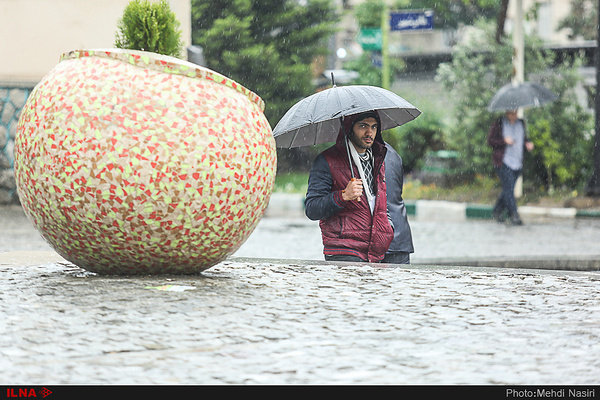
(149, 26)
(415, 139)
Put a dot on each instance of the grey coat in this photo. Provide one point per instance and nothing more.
(394, 177)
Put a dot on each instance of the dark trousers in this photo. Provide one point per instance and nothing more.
(397, 257)
(344, 258)
(506, 201)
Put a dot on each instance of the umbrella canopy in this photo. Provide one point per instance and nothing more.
(526, 94)
(317, 118)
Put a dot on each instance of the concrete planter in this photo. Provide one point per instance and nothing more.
(130, 162)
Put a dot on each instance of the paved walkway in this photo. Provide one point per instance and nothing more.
(447, 233)
(275, 313)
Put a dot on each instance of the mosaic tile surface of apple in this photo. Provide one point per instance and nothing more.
(129, 162)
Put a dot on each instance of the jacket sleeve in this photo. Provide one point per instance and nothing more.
(495, 138)
(321, 202)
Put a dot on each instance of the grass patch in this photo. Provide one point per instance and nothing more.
(291, 182)
(482, 190)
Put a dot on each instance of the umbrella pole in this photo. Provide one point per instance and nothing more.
(349, 158)
(350, 161)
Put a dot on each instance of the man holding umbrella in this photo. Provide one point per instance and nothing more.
(352, 211)
(347, 182)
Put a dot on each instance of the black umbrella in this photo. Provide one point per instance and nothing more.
(516, 95)
(317, 118)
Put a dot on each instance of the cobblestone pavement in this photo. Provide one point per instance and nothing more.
(250, 321)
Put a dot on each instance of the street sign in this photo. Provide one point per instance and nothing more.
(411, 20)
(370, 38)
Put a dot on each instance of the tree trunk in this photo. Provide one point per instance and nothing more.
(501, 21)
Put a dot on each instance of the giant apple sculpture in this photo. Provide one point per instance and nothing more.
(130, 162)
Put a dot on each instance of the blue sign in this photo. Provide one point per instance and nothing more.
(411, 20)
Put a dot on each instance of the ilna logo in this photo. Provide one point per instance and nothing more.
(27, 392)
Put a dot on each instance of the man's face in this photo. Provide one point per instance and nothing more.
(363, 134)
(511, 115)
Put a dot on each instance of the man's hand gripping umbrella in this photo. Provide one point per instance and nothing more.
(353, 190)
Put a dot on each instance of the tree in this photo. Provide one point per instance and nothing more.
(415, 139)
(368, 13)
(582, 20)
(149, 26)
(561, 130)
(501, 21)
(266, 45)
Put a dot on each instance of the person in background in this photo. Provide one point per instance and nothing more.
(402, 245)
(508, 139)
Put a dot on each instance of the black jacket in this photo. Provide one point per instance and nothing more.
(394, 177)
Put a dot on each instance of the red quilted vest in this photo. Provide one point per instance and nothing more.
(353, 230)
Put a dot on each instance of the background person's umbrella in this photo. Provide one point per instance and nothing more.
(526, 94)
(317, 118)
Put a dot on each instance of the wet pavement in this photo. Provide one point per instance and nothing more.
(275, 313)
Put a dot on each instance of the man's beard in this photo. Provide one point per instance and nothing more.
(359, 143)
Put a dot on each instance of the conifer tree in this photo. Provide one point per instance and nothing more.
(149, 26)
(266, 45)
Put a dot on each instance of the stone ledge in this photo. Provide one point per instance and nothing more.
(580, 263)
(554, 263)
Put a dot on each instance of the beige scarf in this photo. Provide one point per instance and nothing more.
(366, 189)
